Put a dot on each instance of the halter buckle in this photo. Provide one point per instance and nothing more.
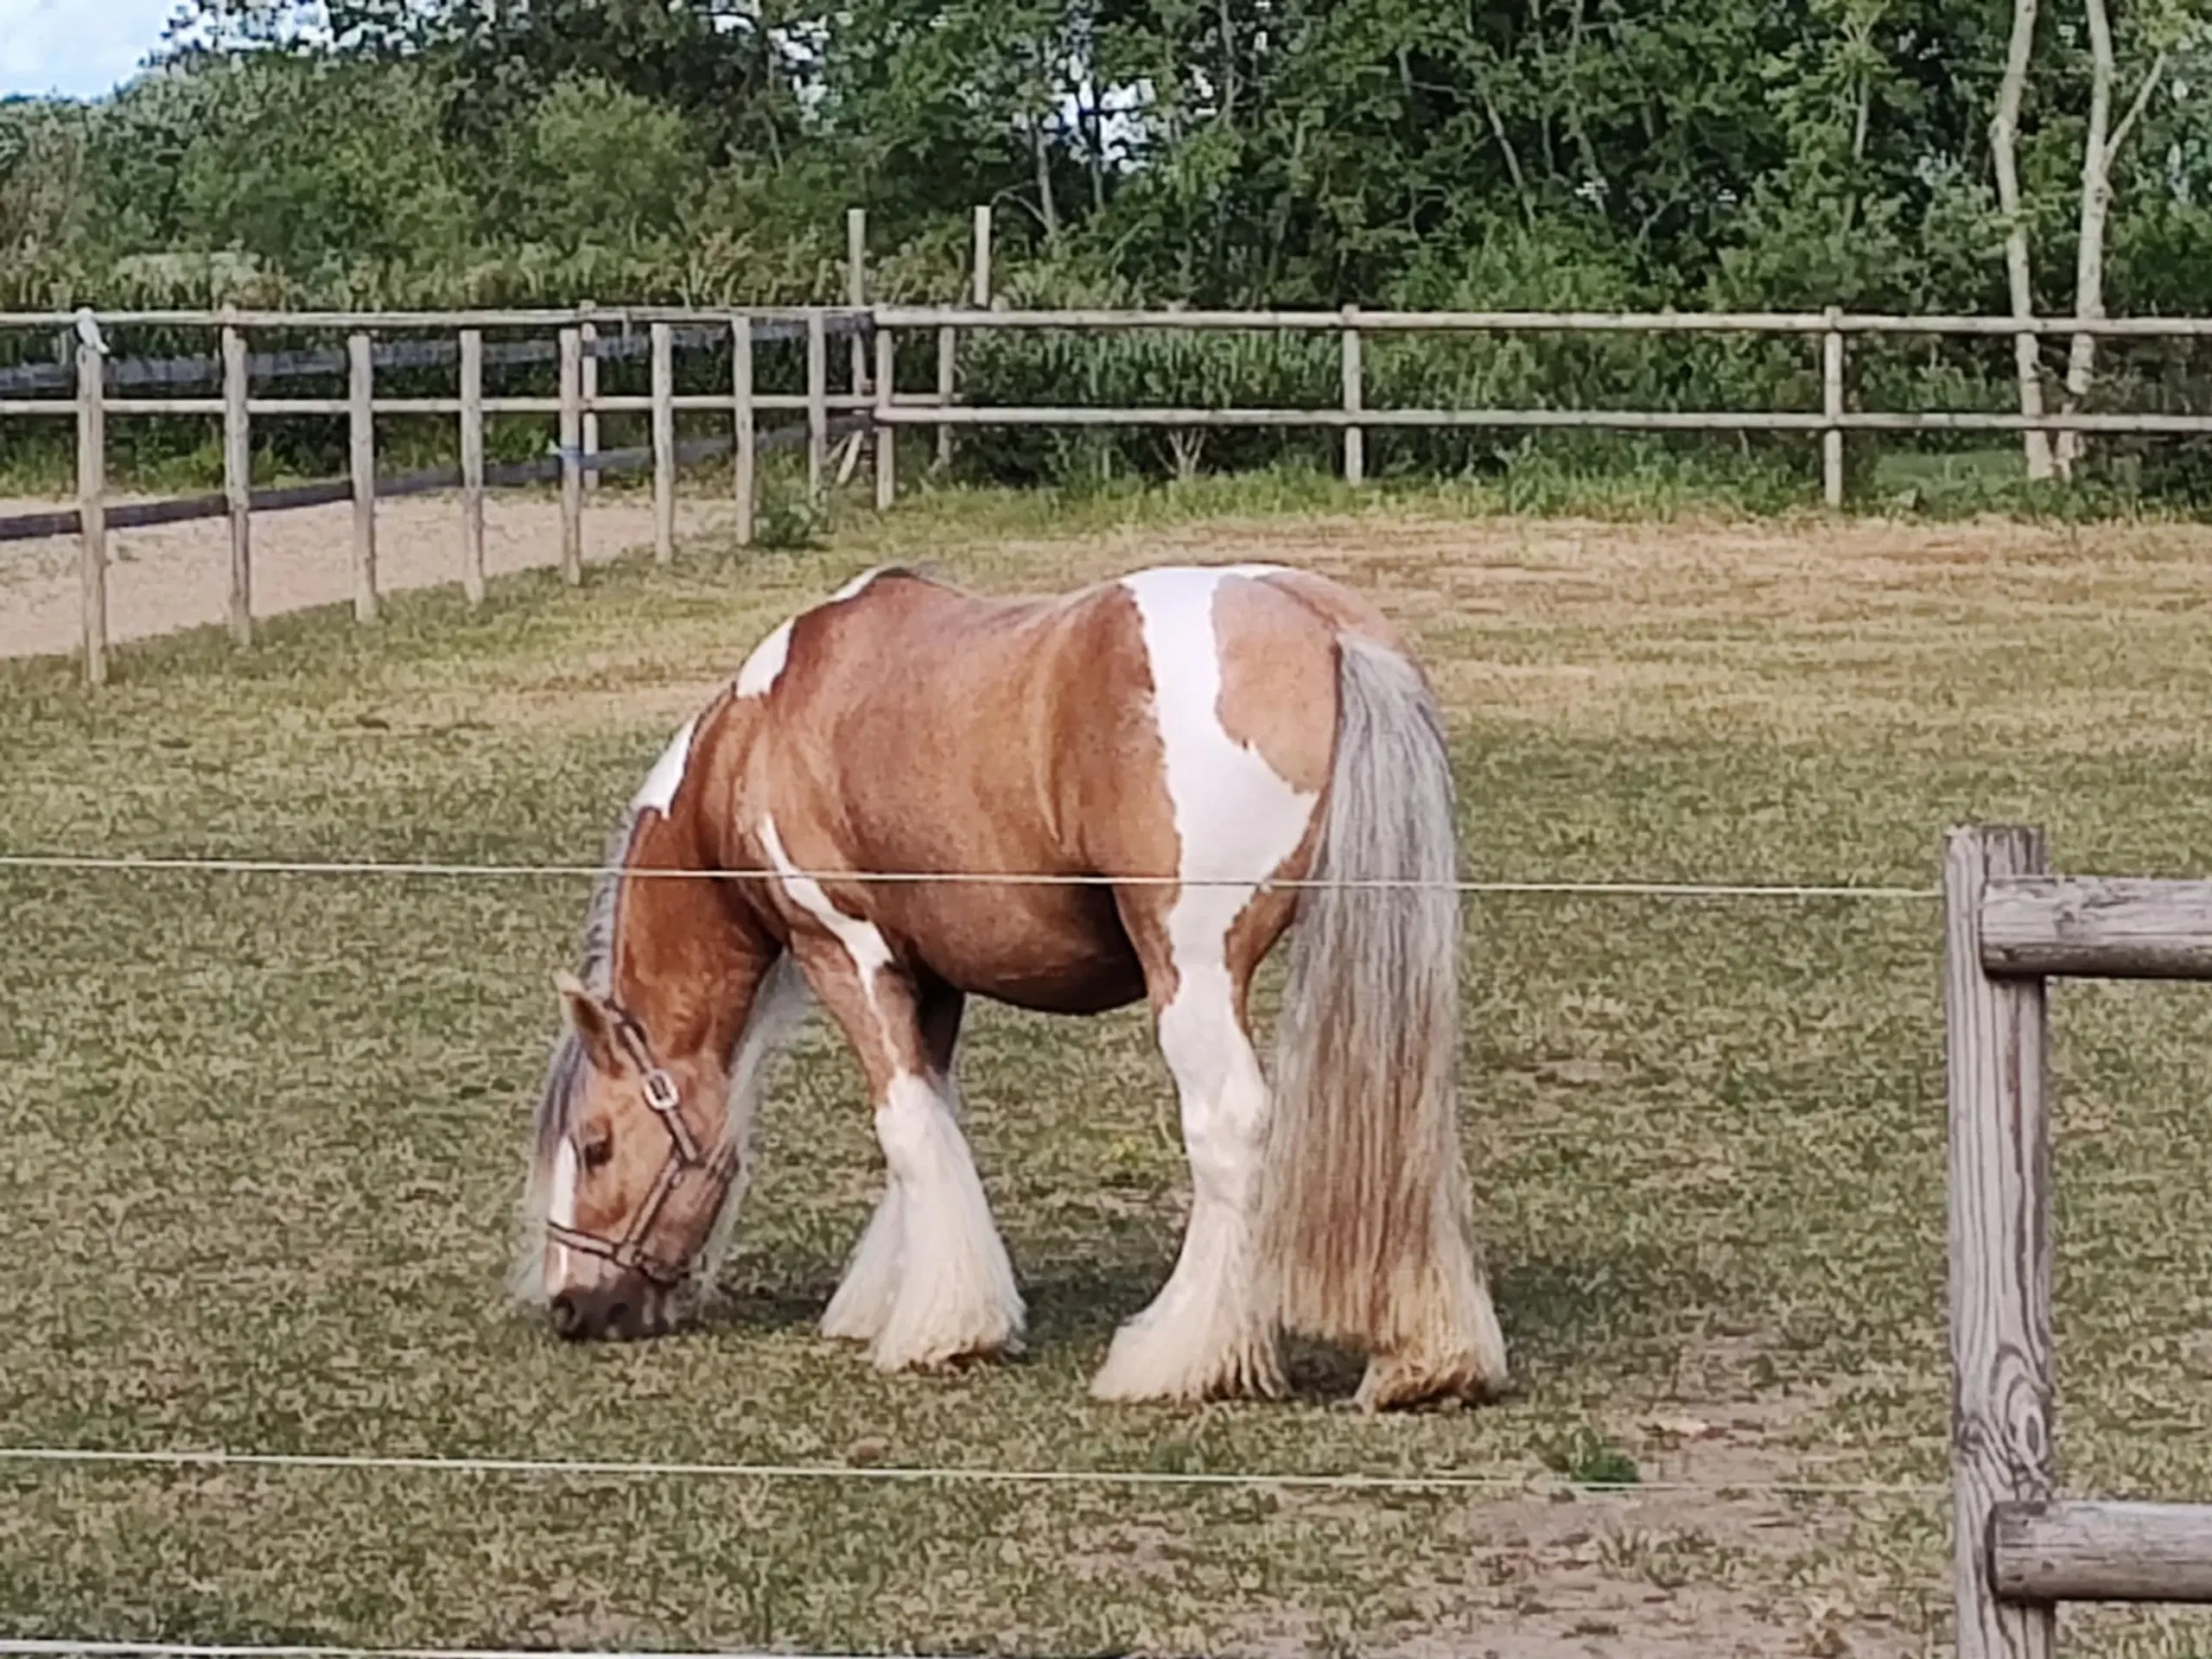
(660, 1092)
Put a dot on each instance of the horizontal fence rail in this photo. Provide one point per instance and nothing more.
(1595, 322)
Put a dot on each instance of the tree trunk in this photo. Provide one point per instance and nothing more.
(2098, 150)
(1048, 209)
(2003, 135)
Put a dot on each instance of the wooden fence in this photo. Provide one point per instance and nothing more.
(2021, 1550)
(869, 408)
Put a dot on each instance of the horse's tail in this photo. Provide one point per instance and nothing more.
(1366, 1225)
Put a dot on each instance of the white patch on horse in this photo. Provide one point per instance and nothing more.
(560, 1208)
(862, 940)
(658, 790)
(1236, 821)
(854, 588)
(766, 665)
(948, 1289)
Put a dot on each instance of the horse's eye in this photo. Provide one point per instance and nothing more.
(598, 1150)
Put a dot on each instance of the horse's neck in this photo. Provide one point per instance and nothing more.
(688, 953)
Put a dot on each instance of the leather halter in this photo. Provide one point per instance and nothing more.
(684, 1157)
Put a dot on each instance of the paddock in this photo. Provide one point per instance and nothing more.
(266, 1128)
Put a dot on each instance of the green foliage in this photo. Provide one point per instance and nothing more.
(1585, 1456)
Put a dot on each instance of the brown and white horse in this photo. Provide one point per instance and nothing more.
(1165, 748)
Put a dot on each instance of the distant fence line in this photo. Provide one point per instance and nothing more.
(868, 412)
(328, 362)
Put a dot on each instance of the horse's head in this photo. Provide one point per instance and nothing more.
(633, 1167)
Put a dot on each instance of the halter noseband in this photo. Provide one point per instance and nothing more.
(666, 1101)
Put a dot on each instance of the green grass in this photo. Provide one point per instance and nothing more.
(264, 1134)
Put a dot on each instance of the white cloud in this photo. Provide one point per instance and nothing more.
(79, 48)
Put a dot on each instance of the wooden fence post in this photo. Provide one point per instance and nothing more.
(886, 436)
(1832, 345)
(472, 464)
(588, 335)
(948, 337)
(362, 432)
(1997, 1037)
(237, 481)
(744, 441)
(817, 403)
(982, 260)
(1355, 400)
(664, 341)
(856, 288)
(91, 493)
(572, 477)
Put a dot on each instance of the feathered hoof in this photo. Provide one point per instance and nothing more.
(1148, 1365)
(895, 1350)
(1395, 1382)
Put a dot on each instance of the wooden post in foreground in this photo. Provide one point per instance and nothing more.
(362, 433)
(2000, 1249)
(91, 494)
(1355, 400)
(472, 464)
(1832, 407)
(238, 481)
(663, 443)
(571, 438)
(744, 441)
(886, 436)
(817, 403)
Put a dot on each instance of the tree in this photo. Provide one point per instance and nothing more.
(2101, 148)
(2004, 145)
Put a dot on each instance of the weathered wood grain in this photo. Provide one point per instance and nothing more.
(2073, 1550)
(2102, 927)
(2001, 1248)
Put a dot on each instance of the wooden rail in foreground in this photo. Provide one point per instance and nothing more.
(2009, 926)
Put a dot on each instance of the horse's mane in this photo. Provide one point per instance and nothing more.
(594, 967)
(564, 1074)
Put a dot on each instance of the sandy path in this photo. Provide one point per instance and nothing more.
(174, 576)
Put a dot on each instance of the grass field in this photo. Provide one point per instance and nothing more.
(264, 1134)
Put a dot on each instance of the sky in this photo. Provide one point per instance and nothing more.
(80, 48)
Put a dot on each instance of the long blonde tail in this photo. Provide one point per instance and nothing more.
(1367, 1233)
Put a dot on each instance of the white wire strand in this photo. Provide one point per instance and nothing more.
(80, 863)
(932, 1474)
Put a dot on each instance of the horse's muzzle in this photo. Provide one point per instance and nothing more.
(625, 1310)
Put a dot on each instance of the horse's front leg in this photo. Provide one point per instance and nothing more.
(930, 1282)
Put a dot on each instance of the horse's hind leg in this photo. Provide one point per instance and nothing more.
(1204, 1336)
(930, 1282)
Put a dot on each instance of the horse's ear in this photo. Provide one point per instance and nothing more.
(591, 1018)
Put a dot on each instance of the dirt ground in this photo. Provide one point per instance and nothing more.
(176, 576)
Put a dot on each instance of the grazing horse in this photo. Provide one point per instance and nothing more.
(1153, 758)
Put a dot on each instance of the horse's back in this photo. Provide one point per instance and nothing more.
(1178, 722)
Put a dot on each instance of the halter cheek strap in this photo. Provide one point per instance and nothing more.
(684, 1156)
